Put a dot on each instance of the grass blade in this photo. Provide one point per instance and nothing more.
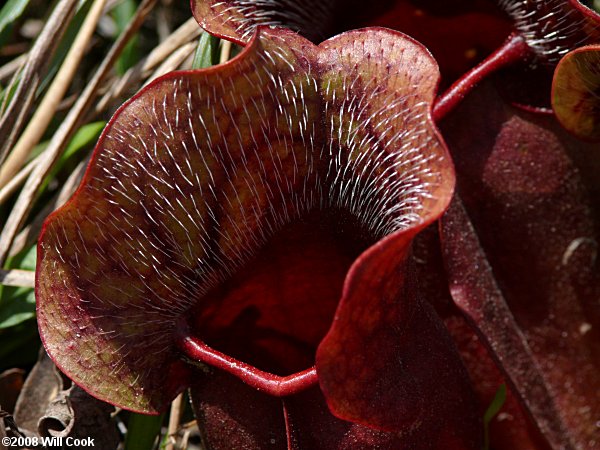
(17, 304)
(11, 11)
(491, 412)
(142, 431)
(207, 52)
(122, 14)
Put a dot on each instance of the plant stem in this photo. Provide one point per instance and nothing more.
(512, 50)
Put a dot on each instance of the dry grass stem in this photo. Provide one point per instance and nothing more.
(189, 429)
(172, 62)
(65, 132)
(17, 277)
(55, 93)
(163, 25)
(11, 67)
(180, 37)
(187, 31)
(28, 236)
(174, 418)
(13, 81)
(185, 439)
(37, 61)
(11, 187)
(225, 51)
(17, 120)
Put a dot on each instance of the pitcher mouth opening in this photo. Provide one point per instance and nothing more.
(274, 311)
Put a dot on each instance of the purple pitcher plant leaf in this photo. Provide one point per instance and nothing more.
(553, 27)
(512, 427)
(265, 233)
(256, 219)
(522, 257)
(576, 92)
(233, 416)
(550, 29)
(459, 33)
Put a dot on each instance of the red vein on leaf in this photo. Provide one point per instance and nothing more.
(514, 49)
(273, 385)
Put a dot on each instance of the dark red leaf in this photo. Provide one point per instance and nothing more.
(458, 36)
(474, 290)
(531, 194)
(512, 427)
(233, 415)
(376, 364)
(310, 425)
